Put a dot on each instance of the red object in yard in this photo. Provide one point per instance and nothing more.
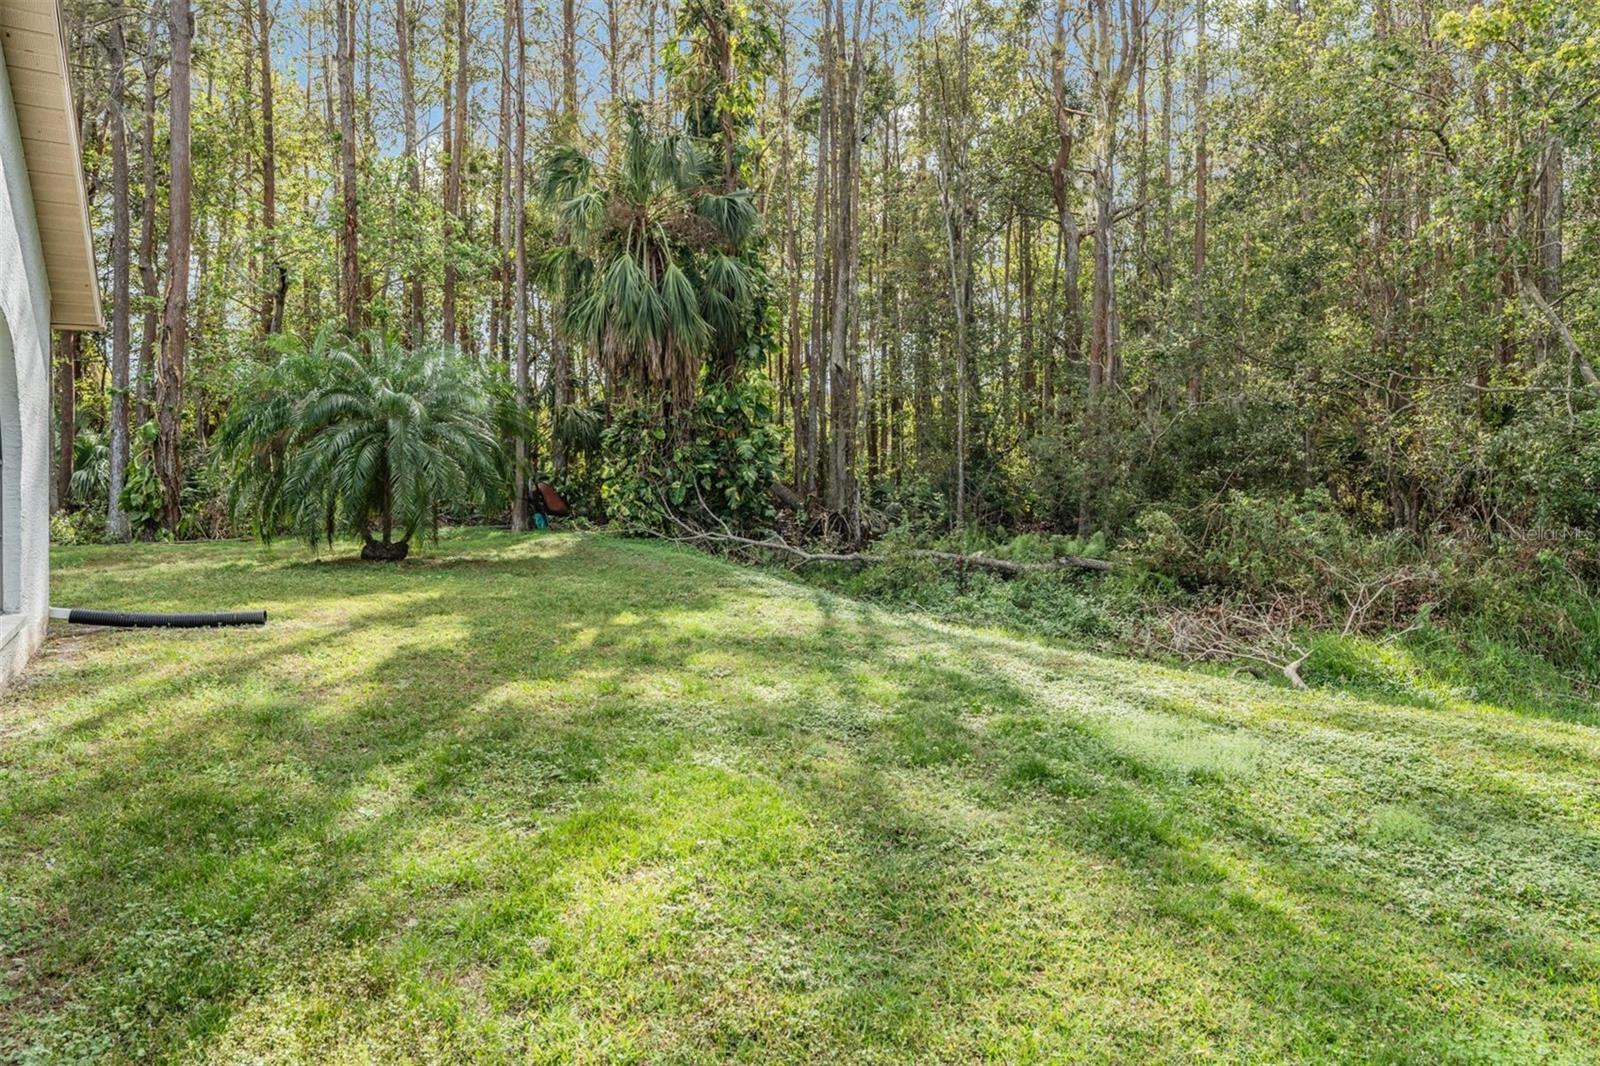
(553, 503)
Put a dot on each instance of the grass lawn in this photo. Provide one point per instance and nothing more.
(573, 798)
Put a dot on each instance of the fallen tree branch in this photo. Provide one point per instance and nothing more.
(1536, 298)
(803, 557)
(1220, 632)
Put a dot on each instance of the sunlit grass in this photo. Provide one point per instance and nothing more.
(575, 798)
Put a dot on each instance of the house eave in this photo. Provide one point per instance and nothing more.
(41, 86)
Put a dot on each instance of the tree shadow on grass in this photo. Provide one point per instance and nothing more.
(225, 813)
(1304, 947)
(1316, 945)
(536, 806)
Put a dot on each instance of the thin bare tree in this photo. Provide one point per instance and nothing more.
(116, 517)
(277, 274)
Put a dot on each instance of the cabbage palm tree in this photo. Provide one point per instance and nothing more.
(650, 261)
(369, 442)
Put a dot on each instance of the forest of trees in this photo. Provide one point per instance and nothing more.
(1022, 265)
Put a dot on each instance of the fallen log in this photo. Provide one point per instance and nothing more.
(803, 557)
(786, 496)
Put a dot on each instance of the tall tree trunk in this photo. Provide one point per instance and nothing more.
(722, 48)
(116, 518)
(1142, 174)
(1551, 206)
(349, 258)
(501, 315)
(458, 150)
(277, 276)
(519, 510)
(561, 357)
(408, 122)
(1166, 153)
(841, 378)
(1118, 47)
(369, 131)
(954, 151)
(791, 248)
(1028, 402)
(819, 220)
(569, 67)
(144, 378)
(1005, 349)
(844, 490)
(175, 318)
(613, 68)
(651, 51)
(894, 342)
(1202, 165)
(1062, 178)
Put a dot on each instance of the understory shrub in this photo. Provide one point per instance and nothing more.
(1496, 615)
(714, 470)
(77, 527)
(1286, 587)
(1062, 605)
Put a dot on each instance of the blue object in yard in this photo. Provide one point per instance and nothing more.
(539, 522)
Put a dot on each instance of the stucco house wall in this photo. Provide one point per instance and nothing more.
(24, 406)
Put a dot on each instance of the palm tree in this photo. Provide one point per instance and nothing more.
(91, 465)
(652, 261)
(371, 442)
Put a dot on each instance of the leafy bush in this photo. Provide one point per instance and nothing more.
(719, 468)
(141, 488)
(1047, 547)
(1060, 605)
(1302, 547)
(91, 467)
(87, 526)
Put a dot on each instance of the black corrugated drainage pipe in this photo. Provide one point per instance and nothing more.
(139, 620)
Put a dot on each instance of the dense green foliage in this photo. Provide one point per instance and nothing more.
(715, 471)
(581, 798)
(651, 264)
